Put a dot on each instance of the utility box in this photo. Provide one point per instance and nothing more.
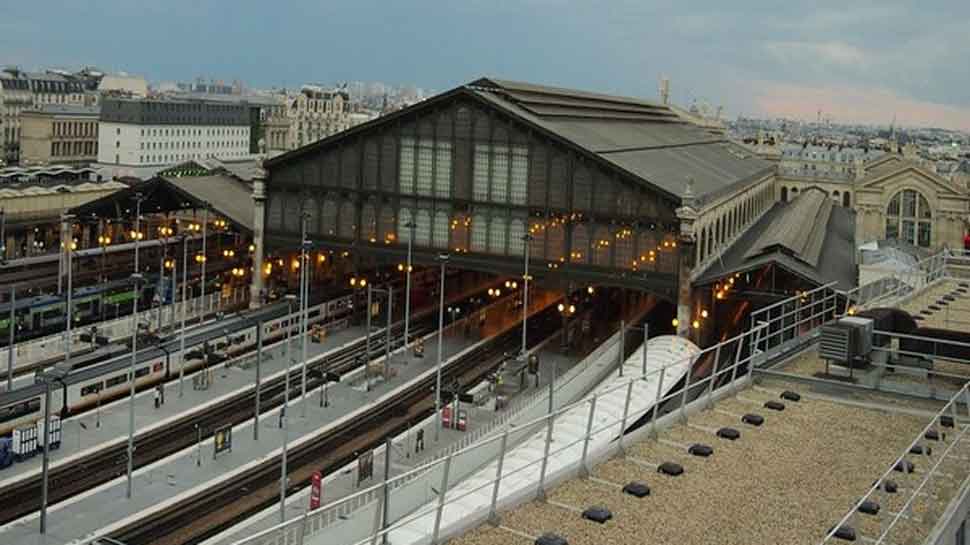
(847, 342)
(55, 434)
(24, 443)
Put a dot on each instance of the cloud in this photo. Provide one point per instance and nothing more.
(855, 105)
(836, 53)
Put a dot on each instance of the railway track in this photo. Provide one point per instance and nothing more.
(23, 497)
(215, 510)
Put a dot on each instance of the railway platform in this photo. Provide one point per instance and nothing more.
(405, 453)
(191, 470)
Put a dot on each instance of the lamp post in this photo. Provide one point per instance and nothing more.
(205, 226)
(286, 401)
(69, 260)
(136, 279)
(185, 284)
(304, 308)
(12, 329)
(53, 375)
(103, 241)
(407, 289)
(443, 258)
(526, 239)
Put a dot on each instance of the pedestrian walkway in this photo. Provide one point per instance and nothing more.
(194, 469)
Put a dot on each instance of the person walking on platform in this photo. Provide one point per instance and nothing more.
(157, 397)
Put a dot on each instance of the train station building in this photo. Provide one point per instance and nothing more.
(603, 189)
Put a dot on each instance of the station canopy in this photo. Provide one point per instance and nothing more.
(224, 195)
(811, 237)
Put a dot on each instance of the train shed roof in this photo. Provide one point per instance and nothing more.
(224, 194)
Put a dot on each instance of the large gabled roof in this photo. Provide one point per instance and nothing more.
(642, 139)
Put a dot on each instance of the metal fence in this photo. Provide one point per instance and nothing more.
(443, 480)
(946, 417)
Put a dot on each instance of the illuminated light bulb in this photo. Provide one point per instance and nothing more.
(696, 324)
(675, 322)
(704, 313)
(561, 307)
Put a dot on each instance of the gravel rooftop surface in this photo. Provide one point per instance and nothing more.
(786, 482)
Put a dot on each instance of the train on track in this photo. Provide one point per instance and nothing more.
(88, 386)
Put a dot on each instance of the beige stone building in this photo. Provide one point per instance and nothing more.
(308, 116)
(21, 91)
(901, 199)
(59, 134)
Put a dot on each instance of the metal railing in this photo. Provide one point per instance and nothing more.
(851, 518)
(795, 322)
(439, 479)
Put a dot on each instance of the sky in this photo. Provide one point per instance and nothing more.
(854, 61)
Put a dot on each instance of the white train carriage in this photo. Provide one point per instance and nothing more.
(111, 379)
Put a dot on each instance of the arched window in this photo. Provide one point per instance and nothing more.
(909, 218)
(422, 233)
(441, 229)
(496, 235)
(479, 232)
(516, 232)
(403, 219)
(328, 223)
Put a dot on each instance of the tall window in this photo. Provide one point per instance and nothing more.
(909, 218)
(433, 161)
(500, 173)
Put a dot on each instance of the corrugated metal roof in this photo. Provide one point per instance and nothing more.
(645, 139)
(833, 240)
(227, 195)
(799, 228)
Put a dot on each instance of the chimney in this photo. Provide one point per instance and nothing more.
(664, 91)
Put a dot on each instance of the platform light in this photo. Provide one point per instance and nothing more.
(295, 264)
(228, 253)
(252, 247)
(268, 269)
(199, 258)
(561, 307)
(704, 313)
(362, 283)
(590, 290)
(353, 281)
(696, 324)
(851, 311)
(675, 322)
(321, 258)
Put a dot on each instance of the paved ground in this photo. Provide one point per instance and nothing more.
(105, 505)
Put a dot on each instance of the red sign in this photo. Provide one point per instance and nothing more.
(315, 490)
(446, 417)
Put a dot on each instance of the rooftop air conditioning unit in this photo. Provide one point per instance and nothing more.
(847, 342)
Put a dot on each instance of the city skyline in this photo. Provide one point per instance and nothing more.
(865, 62)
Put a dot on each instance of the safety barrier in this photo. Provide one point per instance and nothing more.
(949, 412)
(440, 478)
